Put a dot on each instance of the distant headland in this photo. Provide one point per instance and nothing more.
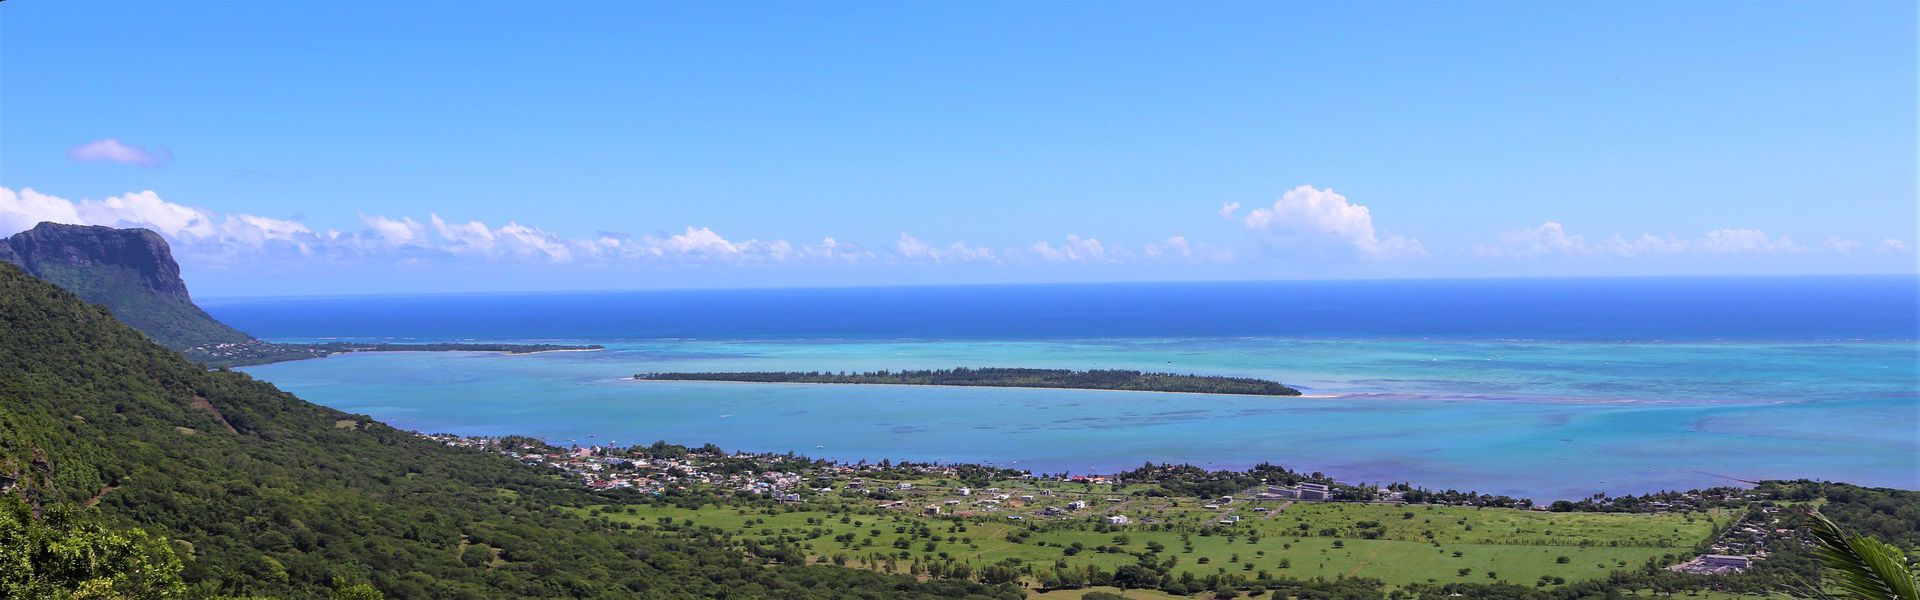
(1098, 379)
(258, 352)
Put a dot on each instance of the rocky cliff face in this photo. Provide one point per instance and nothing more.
(129, 271)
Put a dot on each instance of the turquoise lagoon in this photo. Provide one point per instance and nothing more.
(1548, 420)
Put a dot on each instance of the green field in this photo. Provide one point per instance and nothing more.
(1394, 543)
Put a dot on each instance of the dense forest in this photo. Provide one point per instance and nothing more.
(106, 436)
(1107, 379)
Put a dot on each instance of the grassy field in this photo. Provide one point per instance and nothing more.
(1159, 595)
(1131, 594)
(1397, 544)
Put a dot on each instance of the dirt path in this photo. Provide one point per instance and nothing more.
(1280, 509)
(97, 496)
(201, 403)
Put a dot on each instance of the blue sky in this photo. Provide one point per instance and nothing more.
(301, 148)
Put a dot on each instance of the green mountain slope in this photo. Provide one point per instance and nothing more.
(130, 271)
(262, 493)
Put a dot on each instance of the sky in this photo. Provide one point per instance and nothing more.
(301, 148)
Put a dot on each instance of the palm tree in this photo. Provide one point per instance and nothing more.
(1860, 567)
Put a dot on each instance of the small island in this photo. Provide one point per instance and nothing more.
(1098, 379)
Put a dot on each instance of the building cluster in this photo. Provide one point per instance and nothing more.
(608, 468)
(1315, 492)
(1738, 547)
(770, 475)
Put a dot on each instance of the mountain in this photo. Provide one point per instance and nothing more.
(261, 493)
(129, 271)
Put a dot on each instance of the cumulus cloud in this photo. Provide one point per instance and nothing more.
(1746, 240)
(146, 209)
(912, 249)
(1553, 239)
(194, 233)
(1893, 245)
(1178, 248)
(394, 232)
(21, 210)
(1311, 215)
(114, 151)
(1076, 249)
(202, 236)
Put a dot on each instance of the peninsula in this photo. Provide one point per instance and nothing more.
(1098, 379)
(259, 352)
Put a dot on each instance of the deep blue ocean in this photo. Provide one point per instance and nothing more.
(1774, 308)
(1550, 388)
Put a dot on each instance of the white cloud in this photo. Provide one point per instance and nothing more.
(472, 237)
(395, 232)
(256, 231)
(1229, 210)
(912, 249)
(20, 211)
(1746, 240)
(833, 250)
(1893, 245)
(1177, 247)
(696, 242)
(1307, 214)
(524, 241)
(114, 151)
(1076, 249)
(1552, 239)
(146, 209)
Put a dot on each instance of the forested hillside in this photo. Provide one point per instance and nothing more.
(129, 271)
(261, 493)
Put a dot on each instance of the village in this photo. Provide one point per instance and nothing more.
(927, 489)
(1272, 520)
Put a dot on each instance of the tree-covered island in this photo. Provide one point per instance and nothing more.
(1096, 379)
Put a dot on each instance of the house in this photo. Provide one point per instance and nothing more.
(1076, 505)
(1312, 491)
(1726, 560)
(932, 509)
(1118, 520)
(966, 491)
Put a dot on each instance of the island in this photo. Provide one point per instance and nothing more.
(1096, 379)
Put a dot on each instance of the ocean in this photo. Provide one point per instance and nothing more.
(1548, 388)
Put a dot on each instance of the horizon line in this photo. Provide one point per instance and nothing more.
(1197, 282)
